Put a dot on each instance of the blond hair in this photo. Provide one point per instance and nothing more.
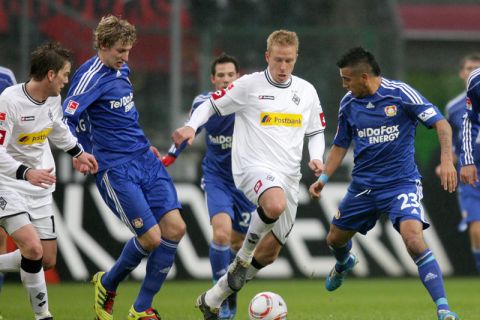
(282, 38)
(111, 29)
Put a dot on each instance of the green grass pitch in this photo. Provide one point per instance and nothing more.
(357, 299)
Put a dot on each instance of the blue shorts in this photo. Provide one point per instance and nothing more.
(361, 208)
(139, 192)
(469, 199)
(222, 196)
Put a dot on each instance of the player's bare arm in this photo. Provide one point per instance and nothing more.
(182, 134)
(448, 174)
(40, 177)
(334, 159)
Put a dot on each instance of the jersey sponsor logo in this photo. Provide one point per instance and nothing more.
(427, 114)
(296, 99)
(266, 97)
(280, 119)
(379, 135)
(27, 118)
(224, 141)
(322, 119)
(3, 116)
(3, 134)
(126, 101)
(469, 105)
(391, 111)
(33, 138)
(71, 107)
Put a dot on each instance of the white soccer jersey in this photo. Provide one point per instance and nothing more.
(25, 125)
(271, 121)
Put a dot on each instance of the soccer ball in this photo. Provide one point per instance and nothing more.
(267, 306)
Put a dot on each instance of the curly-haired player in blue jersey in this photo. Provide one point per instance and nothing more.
(131, 178)
(468, 196)
(380, 116)
(228, 207)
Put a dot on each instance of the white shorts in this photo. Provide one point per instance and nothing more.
(39, 213)
(255, 183)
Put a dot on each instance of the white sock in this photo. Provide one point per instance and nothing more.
(218, 293)
(256, 231)
(10, 262)
(37, 291)
(251, 272)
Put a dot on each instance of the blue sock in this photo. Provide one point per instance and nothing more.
(341, 254)
(476, 255)
(158, 265)
(431, 276)
(219, 260)
(129, 259)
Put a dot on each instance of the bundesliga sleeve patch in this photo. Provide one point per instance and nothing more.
(220, 93)
(427, 114)
(3, 116)
(71, 107)
(469, 105)
(322, 120)
(3, 133)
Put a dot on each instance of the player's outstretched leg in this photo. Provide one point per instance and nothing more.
(339, 272)
(208, 312)
(104, 299)
(149, 314)
(237, 273)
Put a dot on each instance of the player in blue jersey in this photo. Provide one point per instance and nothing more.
(131, 178)
(468, 196)
(228, 207)
(470, 158)
(380, 116)
(7, 79)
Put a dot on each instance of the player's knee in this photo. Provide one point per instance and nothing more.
(415, 245)
(32, 251)
(177, 230)
(222, 235)
(274, 209)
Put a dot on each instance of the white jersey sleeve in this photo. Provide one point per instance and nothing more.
(317, 121)
(232, 99)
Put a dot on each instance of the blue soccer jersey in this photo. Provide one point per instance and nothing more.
(218, 139)
(104, 97)
(7, 78)
(383, 127)
(470, 127)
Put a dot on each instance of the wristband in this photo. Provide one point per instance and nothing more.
(323, 178)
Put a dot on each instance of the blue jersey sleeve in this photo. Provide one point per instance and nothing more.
(470, 125)
(343, 137)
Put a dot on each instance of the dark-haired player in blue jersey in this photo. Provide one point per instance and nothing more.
(228, 207)
(131, 178)
(381, 116)
(468, 196)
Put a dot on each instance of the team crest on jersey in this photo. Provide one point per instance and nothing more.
(391, 111)
(71, 107)
(33, 138)
(137, 223)
(469, 104)
(280, 119)
(3, 133)
(50, 115)
(3, 116)
(296, 99)
(3, 203)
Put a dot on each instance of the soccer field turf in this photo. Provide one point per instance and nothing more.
(358, 299)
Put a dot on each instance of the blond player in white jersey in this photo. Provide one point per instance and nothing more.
(274, 111)
(30, 116)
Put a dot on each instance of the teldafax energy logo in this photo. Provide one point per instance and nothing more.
(280, 119)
